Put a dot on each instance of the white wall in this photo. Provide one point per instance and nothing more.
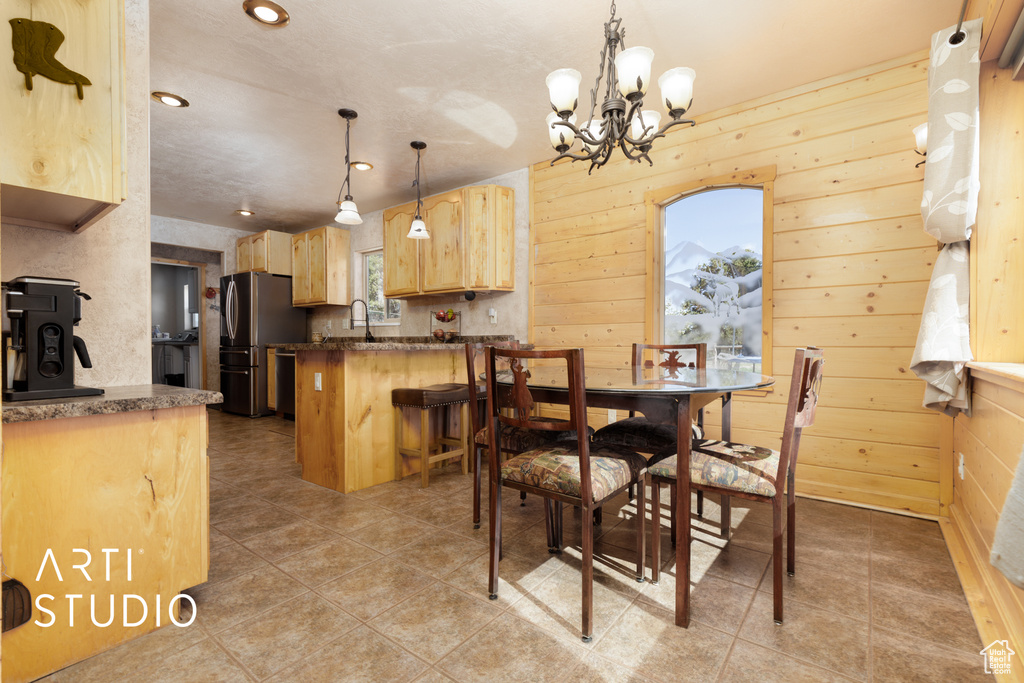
(111, 257)
(512, 307)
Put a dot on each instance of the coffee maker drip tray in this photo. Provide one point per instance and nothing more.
(32, 394)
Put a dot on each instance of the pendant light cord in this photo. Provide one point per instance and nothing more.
(419, 202)
(348, 166)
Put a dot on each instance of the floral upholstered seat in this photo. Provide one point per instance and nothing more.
(557, 468)
(733, 466)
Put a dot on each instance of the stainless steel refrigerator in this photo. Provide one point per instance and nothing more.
(255, 310)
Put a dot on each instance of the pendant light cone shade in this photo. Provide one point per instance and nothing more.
(418, 229)
(564, 89)
(348, 214)
(921, 138)
(633, 70)
(677, 89)
(561, 137)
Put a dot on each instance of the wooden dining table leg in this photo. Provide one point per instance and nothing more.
(682, 513)
(655, 529)
(726, 523)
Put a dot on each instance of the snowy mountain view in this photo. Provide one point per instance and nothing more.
(715, 296)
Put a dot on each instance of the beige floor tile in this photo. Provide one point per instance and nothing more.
(646, 640)
(750, 663)
(290, 539)
(223, 510)
(230, 602)
(327, 561)
(918, 547)
(899, 657)
(260, 520)
(391, 533)
(846, 594)
(377, 587)
(716, 557)
(935, 578)
(435, 621)
(205, 661)
(443, 512)
(941, 621)
(433, 676)
(231, 559)
(440, 553)
(516, 576)
(286, 634)
(510, 649)
(597, 669)
(345, 514)
(713, 601)
(359, 656)
(819, 637)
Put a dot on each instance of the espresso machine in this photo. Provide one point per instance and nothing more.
(43, 312)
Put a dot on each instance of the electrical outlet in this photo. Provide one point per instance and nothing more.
(327, 326)
(317, 384)
(961, 468)
(493, 315)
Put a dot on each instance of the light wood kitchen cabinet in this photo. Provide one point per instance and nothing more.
(265, 252)
(272, 379)
(320, 260)
(62, 155)
(471, 245)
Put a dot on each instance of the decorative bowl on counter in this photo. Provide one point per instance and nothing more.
(446, 326)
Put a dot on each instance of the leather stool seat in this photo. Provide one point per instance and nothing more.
(435, 396)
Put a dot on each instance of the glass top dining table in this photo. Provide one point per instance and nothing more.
(663, 394)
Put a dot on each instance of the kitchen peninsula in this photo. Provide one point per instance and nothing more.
(344, 430)
(106, 512)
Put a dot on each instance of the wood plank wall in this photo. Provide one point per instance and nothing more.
(851, 267)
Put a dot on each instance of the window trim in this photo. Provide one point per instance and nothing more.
(359, 286)
(655, 202)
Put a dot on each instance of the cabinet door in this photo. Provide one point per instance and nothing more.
(317, 257)
(272, 379)
(443, 255)
(504, 245)
(479, 233)
(259, 253)
(300, 270)
(244, 254)
(401, 254)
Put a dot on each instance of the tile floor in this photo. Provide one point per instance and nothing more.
(389, 584)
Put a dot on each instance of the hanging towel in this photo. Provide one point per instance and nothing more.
(1008, 546)
(943, 343)
(949, 206)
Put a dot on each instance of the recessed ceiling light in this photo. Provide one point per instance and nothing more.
(245, 212)
(266, 12)
(361, 165)
(170, 99)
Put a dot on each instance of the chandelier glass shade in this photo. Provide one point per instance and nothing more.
(418, 229)
(621, 121)
(348, 214)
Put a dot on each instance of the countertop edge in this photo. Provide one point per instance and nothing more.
(114, 400)
(385, 344)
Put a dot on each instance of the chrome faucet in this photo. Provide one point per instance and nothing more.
(366, 319)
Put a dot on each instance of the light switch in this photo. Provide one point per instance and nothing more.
(493, 315)
(317, 385)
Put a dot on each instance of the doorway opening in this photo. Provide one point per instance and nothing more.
(177, 323)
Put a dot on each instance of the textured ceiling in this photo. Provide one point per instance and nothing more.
(465, 76)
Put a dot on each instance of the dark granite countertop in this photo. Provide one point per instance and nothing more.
(114, 400)
(389, 344)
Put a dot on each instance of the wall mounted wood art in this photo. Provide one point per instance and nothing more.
(35, 48)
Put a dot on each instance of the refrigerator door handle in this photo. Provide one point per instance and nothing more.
(232, 310)
(234, 372)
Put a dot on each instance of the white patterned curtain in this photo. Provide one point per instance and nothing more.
(949, 206)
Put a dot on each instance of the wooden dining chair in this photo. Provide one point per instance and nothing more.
(659, 440)
(751, 472)
(513, 439)
(571, 472)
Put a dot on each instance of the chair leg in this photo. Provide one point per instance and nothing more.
(398, 443)
(476, 485)
(425, 447)
(641, 537)
(777, 559)
(700, 503)
(655, 529)
(598, 516)
(588, 574)
(726, 527)
(522, 499)
(495, 557)
(467, 438)
(549, 525)
(791, 524)
(557, 525)
(672, 513)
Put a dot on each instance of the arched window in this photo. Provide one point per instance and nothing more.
(713, 240)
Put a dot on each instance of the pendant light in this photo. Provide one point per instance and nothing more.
(348, 214)
(418, 229)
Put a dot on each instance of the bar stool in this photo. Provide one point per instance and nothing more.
(442, 396)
